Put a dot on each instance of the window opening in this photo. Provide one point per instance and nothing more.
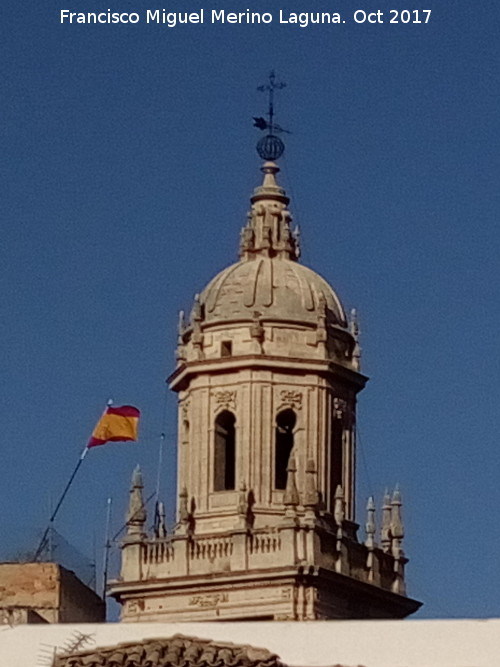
(225, 452)
(226, 349)
(285, 423)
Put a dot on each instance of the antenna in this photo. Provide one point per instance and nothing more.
(107, 546)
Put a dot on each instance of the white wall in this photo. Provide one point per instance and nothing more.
(462, 643)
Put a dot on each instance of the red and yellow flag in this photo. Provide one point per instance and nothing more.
(117, 423)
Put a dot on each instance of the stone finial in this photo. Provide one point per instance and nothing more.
(353, 323)
(339, 516)
(136, 514)
(397, 534)
(257, 330)
(243, 509)
(354, 329)
(291, 498)
(296, 239)
(370, 523)
(385, 531)
(370, 538)
(242, 499)
(246, 237)
(180, 352)
(183, 508)
(181, 325)
(196, 320)
(397, 529)
(197, 313)
(321, 332)
(339, 506)
(311, 496)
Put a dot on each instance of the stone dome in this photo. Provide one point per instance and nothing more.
(276, 288)
(268, 283)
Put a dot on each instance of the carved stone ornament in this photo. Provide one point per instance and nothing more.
(206, 601)
(135, 606)
(176, 651)
(339, 407)
(185, 408)
(225, 399)
(291, 398)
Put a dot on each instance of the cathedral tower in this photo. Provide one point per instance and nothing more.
(267, 376)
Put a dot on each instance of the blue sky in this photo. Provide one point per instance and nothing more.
(128, 161)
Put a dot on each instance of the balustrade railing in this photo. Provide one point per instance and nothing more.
(210, 548)
(158, 551)
(261, 543)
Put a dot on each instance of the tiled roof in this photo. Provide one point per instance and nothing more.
(176, 651)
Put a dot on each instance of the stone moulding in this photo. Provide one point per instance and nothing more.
(291, 398)
(225, 399)
(176, 651)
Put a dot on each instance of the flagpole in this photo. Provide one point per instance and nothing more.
(56, 510)
(107, 546)
(41, 545)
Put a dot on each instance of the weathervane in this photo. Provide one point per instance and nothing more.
(270, 147)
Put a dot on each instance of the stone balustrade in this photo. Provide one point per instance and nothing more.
(289, 546)
(158, 551)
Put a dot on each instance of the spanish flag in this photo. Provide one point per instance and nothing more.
(117, 423)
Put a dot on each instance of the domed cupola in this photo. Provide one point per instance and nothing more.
(268, 291)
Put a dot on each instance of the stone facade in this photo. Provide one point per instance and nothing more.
(268, 370)
(46, 593)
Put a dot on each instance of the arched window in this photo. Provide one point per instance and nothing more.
(225, 452)
(285, 423)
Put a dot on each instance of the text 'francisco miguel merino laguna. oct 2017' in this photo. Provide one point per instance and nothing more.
(171, 19)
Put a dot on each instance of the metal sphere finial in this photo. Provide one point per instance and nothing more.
(270, 147)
